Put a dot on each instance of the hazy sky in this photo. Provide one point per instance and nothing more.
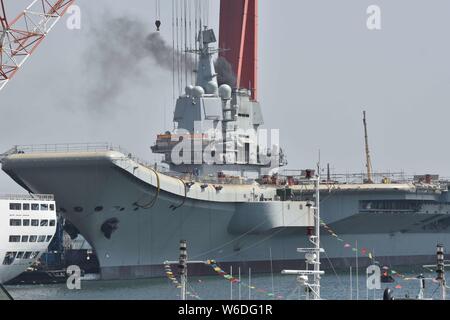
(320, 67)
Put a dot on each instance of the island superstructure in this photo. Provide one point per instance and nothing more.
(134, 216)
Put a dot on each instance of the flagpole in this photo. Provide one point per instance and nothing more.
(357, 273)
(374, 262)
(367, 286)
(351, 283)
(231, 283)
(249, 283)
(240, 297)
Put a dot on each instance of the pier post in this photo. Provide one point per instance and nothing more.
(183, 268)
(441, 269)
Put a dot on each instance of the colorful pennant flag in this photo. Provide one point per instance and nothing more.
(232, 279)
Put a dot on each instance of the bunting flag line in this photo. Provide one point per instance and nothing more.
(213, 264)
(171, 276)
(364, 251)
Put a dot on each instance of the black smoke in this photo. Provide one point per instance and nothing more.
(123, 54)
(225, 73)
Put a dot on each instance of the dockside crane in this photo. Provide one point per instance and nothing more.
(368, 160)
(20, 37)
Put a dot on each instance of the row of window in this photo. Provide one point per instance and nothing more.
(30, 238)
(33, 223)
(11, 256)
(32, 207)
(390, 205)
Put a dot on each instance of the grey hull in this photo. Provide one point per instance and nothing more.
(91, 189)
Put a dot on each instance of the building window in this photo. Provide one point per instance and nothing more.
(20, 255)
(9, 258)
(44, 207)
(44, 223)
(33, 238)
(35, 223)
(26, 222)
(27, 255)
(52, 223)
(52, 207)
(49, 238)
(14, 238)
(15, 222)
(25, 238)
(26, 206)
(15, 206)
(35, 207)
(41, 239)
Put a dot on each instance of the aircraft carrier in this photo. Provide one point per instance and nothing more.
(221, 189)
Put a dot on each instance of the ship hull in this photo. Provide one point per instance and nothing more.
(150, 221)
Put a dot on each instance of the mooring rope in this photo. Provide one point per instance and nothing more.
(184, 198)
(158, 190)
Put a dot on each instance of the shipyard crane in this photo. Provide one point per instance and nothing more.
(20, 37)
(368, 160)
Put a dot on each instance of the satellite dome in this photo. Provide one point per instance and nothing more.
(211, 87)
(225, 92)
(198, 92)
(189, 90)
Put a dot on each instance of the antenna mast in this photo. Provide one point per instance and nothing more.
(312, 255)
(368, 161)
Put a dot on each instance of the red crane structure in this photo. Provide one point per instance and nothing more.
(239, 39)
(21, 36)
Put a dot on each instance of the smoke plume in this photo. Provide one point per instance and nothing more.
(123, 54)
(225, 73)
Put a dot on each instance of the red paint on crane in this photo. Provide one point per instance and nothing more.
(239, 39)
(21, 38)
(3, 20)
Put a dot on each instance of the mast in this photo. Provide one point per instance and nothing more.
(312, 255)
(368, 160)
(317, 238)
(206, 74)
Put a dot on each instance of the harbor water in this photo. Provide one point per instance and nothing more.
(335, 286)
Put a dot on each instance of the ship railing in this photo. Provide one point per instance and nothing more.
(31, 197)
(75, 147)
(361, 178)
(355, 178)
(388, 210)
(61, 148)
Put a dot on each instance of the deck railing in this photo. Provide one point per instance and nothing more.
(31, 197)
(70, 147)
(74, 147)
(348, 178)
